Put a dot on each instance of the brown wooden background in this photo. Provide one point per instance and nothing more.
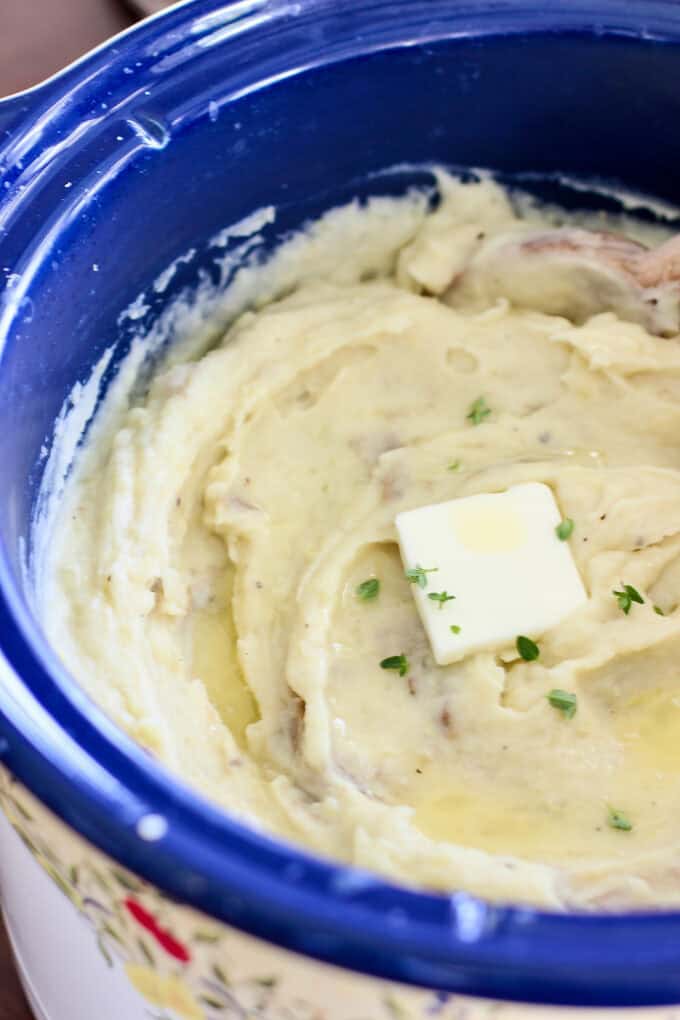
(36, 39)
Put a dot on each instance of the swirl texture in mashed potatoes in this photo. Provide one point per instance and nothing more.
(203, 576)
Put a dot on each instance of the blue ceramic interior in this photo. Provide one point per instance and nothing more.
(142, 151)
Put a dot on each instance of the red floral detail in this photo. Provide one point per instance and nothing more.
(164, 939)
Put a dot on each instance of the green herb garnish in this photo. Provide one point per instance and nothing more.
(441, 597)
(418, 575)
(564, 529)
(454, 465)
(479, 410)
(617, 820)
(527, 648)
(627, 597)
(454, 628)
(368, 589)
(399, 662)
(659, 611)
(565, 701)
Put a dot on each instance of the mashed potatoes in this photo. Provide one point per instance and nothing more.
(204, 572)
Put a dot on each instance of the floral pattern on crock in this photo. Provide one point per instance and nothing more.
(192, 974)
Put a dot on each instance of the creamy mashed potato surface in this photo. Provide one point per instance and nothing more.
(203, 574)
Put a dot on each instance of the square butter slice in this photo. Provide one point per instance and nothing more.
(499, 555)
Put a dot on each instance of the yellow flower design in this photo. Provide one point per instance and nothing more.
(165, 991)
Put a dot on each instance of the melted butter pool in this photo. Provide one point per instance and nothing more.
(215, 663)
(649, 728)
(501, 821)
(504, 818)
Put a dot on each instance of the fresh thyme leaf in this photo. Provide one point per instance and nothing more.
(565, 701)
(399, 662)
(368, 589)
(454, 465)
(441, 597)
(564, 529)
(454, 628)
(617, 820)
(479, 410)
(626, 597)
(418, 575)
(659, 611)
(527, 648)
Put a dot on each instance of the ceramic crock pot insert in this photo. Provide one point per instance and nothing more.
(127, 160)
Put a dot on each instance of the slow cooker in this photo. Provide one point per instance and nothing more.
(127, 896)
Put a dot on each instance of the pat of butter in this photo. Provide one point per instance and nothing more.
(499, 555)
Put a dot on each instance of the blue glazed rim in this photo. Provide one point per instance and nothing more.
(100, 783)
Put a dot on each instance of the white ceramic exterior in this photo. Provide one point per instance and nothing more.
(93, 942)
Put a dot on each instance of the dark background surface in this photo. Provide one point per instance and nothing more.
(38, 37)
(12, 1003)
